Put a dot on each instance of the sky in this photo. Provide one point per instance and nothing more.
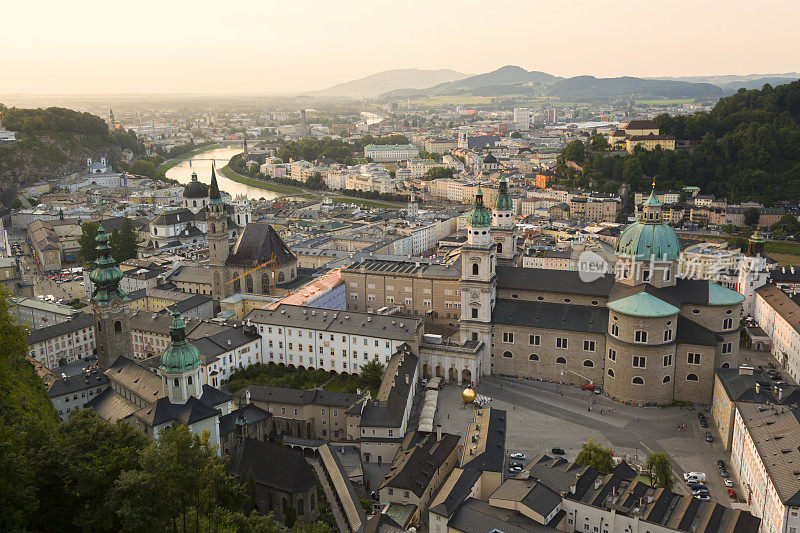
(285, 47)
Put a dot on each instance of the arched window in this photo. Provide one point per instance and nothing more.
(507, 354)
(588, 363)
(99, 327)
(176, 383)
(474, 269)
(666, 379)
(637, 381)
(300, 507)
(499, 247)
(213, 228)
(561, 361)
(610, 372)
(117, 327)
(248, 283)
(533, 357)
(692, 377)
(194, 203)
(725, 365)
(189, 380)
(280, 277)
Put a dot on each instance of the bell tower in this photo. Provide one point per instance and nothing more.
(217, 236)
(110, 307)
(180, 365)
(752, 271)
(503, 225)
(478, 281)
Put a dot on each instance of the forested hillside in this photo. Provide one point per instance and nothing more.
(746, 148)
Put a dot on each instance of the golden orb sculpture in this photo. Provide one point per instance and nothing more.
(468, 395)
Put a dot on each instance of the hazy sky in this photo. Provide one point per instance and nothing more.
(279, 46)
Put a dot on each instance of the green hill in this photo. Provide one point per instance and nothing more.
(56, 141)
(746, 148)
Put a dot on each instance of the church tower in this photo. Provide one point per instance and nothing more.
(110, 307)
(752, 272)
(180, 365)
(503, 225)
(478, 281)
(217, 236)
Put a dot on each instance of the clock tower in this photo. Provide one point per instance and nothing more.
(110, 307)
(478, 281)
(217, 236)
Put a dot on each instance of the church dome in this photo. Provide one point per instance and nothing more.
(503, 201)
(479, 216)
(181, 355)
(490, 159)
(195, 189)
(649, 237)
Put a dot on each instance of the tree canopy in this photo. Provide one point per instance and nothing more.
(435, 173)
(595, 456)
(124, 242)
(660, 470)
(370, 375)
(88, 253)
(52, 120)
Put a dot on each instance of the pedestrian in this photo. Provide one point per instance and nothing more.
(601, 411)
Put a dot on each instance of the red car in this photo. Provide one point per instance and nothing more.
(732, 493)
(587, 386)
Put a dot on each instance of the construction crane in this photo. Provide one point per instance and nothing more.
(272, 264)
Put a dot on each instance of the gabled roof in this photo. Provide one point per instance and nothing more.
(272, 465)
(257, 244)
(549, 315)
(545, 280)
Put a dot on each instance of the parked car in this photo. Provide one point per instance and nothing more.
(557, 451)
(518, 456)
(732, 493)
(720, 464)
(700, 476)
(587, 386)
(696, 486)
(514, 469)
(701, 416)
(724, 473)
(728, 483)
(703, 497)
(703, 423)
(709, 437)
(700, 491)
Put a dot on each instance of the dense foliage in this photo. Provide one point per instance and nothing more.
(311, 149)
(595, 456)
(660, 470)
(273, 375)
(52, 120)
(746, 148)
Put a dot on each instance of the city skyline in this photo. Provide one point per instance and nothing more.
(289, 49)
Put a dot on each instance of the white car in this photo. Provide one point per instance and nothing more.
(703, 497)
(518, 456)
(728, 483)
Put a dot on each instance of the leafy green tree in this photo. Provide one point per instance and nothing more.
(516, 135)
(370, 375)
(141, 167)
(316, 182)
(660, 470)
(124, 242)
(575, 151)
(751, 216)
(89, 231)
(16, 204)
(595, 456)
(435, 173)
(788, 224)
(598, 142)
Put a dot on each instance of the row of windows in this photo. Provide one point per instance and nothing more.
(561, 342)
(640, 361)
(559, 360)
(638, 380)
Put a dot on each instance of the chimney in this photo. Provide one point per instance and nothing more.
(758, 387)
(745, 370)
(438, 432)
(407, 379)
(247, 396)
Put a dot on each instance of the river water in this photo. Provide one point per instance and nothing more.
(202, 165)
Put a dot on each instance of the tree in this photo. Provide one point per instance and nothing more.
(516, 135)
(575, 151)
(141, 167)
(598, 142)
(435, 173)
(787, 224)
(316, 182)
(660, 470)
(370, 375)
(88, 253)
(751, 216)
(124, 242)
(595, 456)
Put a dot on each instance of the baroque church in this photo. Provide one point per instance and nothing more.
(641, 333)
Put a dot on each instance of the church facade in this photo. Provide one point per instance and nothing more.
(641, 333)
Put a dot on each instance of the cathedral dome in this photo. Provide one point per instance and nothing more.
(650, 237)
(479, 216)
(195, 189)
(181, 355)
(490, 159)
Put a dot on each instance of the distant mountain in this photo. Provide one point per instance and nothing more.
(733, 82)
(583, 88)
(389, 80)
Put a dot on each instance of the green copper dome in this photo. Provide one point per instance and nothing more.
(106, 275)
(643, 241)
(479, 216)
(503, 201)
(181, 355)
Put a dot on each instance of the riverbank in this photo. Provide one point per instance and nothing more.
(298, 191)
(161, 171)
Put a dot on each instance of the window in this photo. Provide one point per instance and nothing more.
(667, 335)
(691, 377)
(474, 312)
(666, 379)
(610, 373)
(639, 361)
(695, 311)
(588, 346)
(508, 336)
(727, 323)
(646, 275)
(612, 354)
(637, 381)
(474, 269)
(507, 354)
(176, 383)
(693, 358)
(640, 336)
(561, 361)
(561, 342)
(534, 340)
(567, 300)
(726, 348)
(533, 357)
(117, 327)
(189, 380)
(588, 363)
(667, 274)
(615, 330)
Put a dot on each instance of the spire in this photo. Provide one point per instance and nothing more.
(213, 190)
(479, 197)
(107, 274)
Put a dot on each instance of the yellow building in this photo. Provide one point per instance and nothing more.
(650, 142)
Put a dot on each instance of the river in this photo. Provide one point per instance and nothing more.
(202, 165)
